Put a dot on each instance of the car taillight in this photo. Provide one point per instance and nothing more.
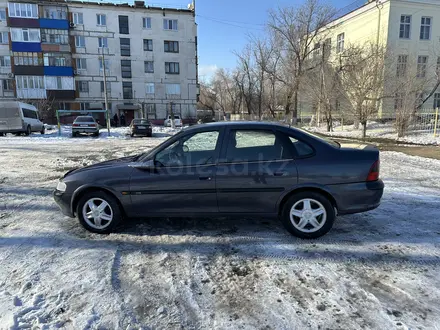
(373, 175)
(75, 125)
(92, 125)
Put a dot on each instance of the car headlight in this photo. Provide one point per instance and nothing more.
(61, 186)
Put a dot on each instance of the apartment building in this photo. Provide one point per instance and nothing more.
(58, 51)
(409, 29)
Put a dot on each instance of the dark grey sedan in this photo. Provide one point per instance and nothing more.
(229, 169)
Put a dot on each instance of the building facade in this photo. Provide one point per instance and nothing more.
(61, 52)
(408, 29)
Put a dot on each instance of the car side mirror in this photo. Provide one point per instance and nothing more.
(145, 166)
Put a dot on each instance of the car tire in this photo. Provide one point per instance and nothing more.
(73, 134)
(2, 134)
(131, 134)
(28, 131)
(301, 216)
(112, 209)
(96, 134)
(43, 130)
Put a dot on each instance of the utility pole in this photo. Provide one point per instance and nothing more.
(105, 91)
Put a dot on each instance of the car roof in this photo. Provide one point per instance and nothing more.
(84, 117)
(239, 123)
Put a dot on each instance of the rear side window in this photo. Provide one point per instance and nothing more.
(255, 145)
(302, 149)
(29, 113)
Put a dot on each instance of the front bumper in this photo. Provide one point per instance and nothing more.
(63, 202)
(357, 197)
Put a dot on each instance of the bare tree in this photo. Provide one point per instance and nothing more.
(297, 31)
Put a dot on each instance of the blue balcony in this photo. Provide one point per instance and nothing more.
(66, 71)
(48, 23)
(18, 46)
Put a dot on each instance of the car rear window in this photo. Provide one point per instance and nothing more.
(141, 122)
(322, 138)
(84, 119)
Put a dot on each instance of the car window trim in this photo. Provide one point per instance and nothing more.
(288, 135)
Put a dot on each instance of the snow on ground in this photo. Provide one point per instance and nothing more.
(378, 130)
(377, 270)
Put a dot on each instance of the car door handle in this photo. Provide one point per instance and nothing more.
(279, 173)
(205, 178)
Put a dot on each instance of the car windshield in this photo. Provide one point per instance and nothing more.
(322, 138)
(140, 122)
(84, 120)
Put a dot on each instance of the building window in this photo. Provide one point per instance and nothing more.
(123, 25)
(127, 90)
(102, 42)
(32, 82)
(57, 59)
(150, 88)
(53, 36)
(25, 58)
(170, 24)
(171, 46)
(172, 67)
(81, 64)
(80, 41)
(125, 46)
(148, 45)
(84, 106)
(398, 101)
(106, 64)
(108, 85)
(437, 68)
(172, 89)
(149, 67)
(146, 22)
(126, 68)
(340, 43)
(2, 14)
(5, 61)
(23, 10)
(83, 86)
(436, 100)
(405, 27)
(4, 37)
(425, 28)
(8, 85)
(78, 18)
(402, 61)
(421, 66)
(100, 19)
(54, 12)
(25, 35)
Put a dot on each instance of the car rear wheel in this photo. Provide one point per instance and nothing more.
(308, 215)
(42, 130)
(28, 131)
(99, 212)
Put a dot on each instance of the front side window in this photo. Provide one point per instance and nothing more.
(196, 149)
(101, 20)
(340, 40)
(425, 28)
(255, 146)
(405, 27)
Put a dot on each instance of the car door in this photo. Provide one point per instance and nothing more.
(183, 181)
(256, 166)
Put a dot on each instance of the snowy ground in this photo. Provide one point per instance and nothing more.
(378, 270)
(378, 130)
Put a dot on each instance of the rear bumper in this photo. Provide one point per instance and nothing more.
(90, 130)
(63, 202)
(357, 197)
(147, 131)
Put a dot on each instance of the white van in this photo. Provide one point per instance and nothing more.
(177, 121)
(18, 117)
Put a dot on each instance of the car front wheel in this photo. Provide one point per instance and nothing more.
(99, 212)
(308, 215)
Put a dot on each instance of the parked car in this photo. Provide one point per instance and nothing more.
(141, 127)
(229, 169)
(85, 125)
(177, 121)
(18, 118)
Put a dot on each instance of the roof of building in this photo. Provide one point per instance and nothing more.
(135, 5)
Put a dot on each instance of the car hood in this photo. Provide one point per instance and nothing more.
(108, 163)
